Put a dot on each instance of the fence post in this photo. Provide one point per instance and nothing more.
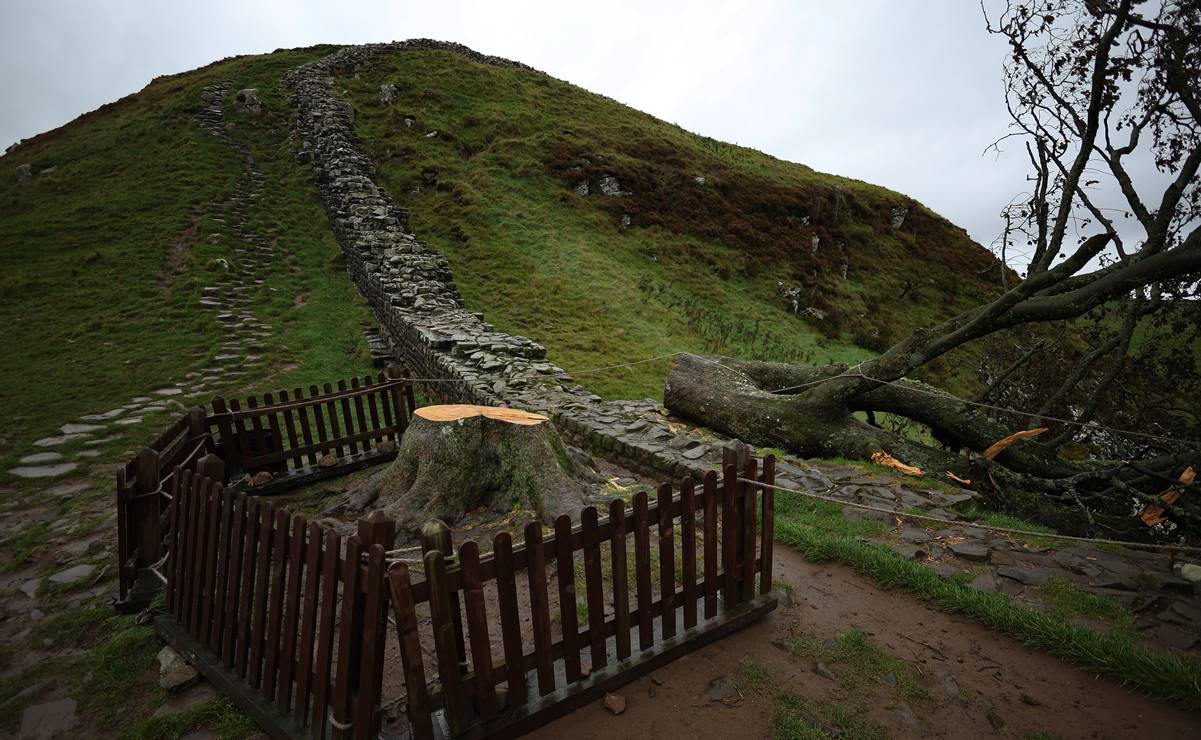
(399, 406)
(367, 663)
(212, 467)
(436, 536)
(229, 440)
(409, 399)
(198, 425)
(146, 506)
(769, 522)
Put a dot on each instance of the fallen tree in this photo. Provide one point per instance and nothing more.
(1088, 84)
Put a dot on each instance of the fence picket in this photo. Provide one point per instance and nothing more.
(233, 580)
(347, 419)
(319, 419)
(510, 619)
(261, 594)
(710, 544)
(372, 399)
(287, 648)
(275, 439)
(249, 578)
(539, 607)
(308, 622)
(279, 565)
(444, 639)
(349, 636)
(328, 610)
(642, 571)
(332, 410)
(358, 412)
(410, 653)
(747, 591)
(568, 619)
(594, 587)
(306, 433)
(688, 549)
(477, 630)
(621, 588)
(667, 562)
(173, 544)
(222, 576)
(199, 492)
(290, 426)
(729, 544)
(213, 490)
(371, 654)
(767, 531)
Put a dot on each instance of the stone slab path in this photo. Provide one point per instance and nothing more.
(228, 298)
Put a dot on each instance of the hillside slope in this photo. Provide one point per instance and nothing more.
(127, 216)
(609, 235)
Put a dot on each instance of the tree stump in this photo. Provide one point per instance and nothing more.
(456, 458)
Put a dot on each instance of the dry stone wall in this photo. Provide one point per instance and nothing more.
(412, 292)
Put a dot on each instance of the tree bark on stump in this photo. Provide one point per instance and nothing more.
(456, 458)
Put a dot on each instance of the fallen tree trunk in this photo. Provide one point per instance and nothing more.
(454, 459)
(806, 410)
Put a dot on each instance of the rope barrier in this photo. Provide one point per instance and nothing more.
(990, 528)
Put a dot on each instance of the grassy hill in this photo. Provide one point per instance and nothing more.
(694, 256)
(104, 252)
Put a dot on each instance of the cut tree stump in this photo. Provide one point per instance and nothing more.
(457, 458)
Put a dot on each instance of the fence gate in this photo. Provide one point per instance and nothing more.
(682, 602)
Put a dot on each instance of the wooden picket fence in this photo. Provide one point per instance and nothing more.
(297, 438)
(291, 621)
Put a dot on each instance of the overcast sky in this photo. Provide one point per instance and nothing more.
(902, 94)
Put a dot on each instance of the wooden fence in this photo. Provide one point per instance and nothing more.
(296, 438)
(291, 621)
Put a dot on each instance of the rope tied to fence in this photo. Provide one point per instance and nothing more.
(1003, 530)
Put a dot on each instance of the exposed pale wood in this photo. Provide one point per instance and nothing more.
(455, 412)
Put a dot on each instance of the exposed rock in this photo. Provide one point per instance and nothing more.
(387, 93)
(174, 673)
(249, 99)
(24, 172)
(1190, 572)
(73, 574)
(43, 471)
(80, 428)
(615, 703)
(40, 457)
(897, 216)
(609, 185)
(56, 718)
(970, 551)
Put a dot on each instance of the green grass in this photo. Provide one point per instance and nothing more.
(1068, 601)
(1007, 521)
(1115, 654)
(800, 718)
(218, 716)
(856, 660)
(93, 313)
(699, 268)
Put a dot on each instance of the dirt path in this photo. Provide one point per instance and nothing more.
(976, 683)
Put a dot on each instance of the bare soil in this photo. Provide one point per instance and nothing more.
(998, 688)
